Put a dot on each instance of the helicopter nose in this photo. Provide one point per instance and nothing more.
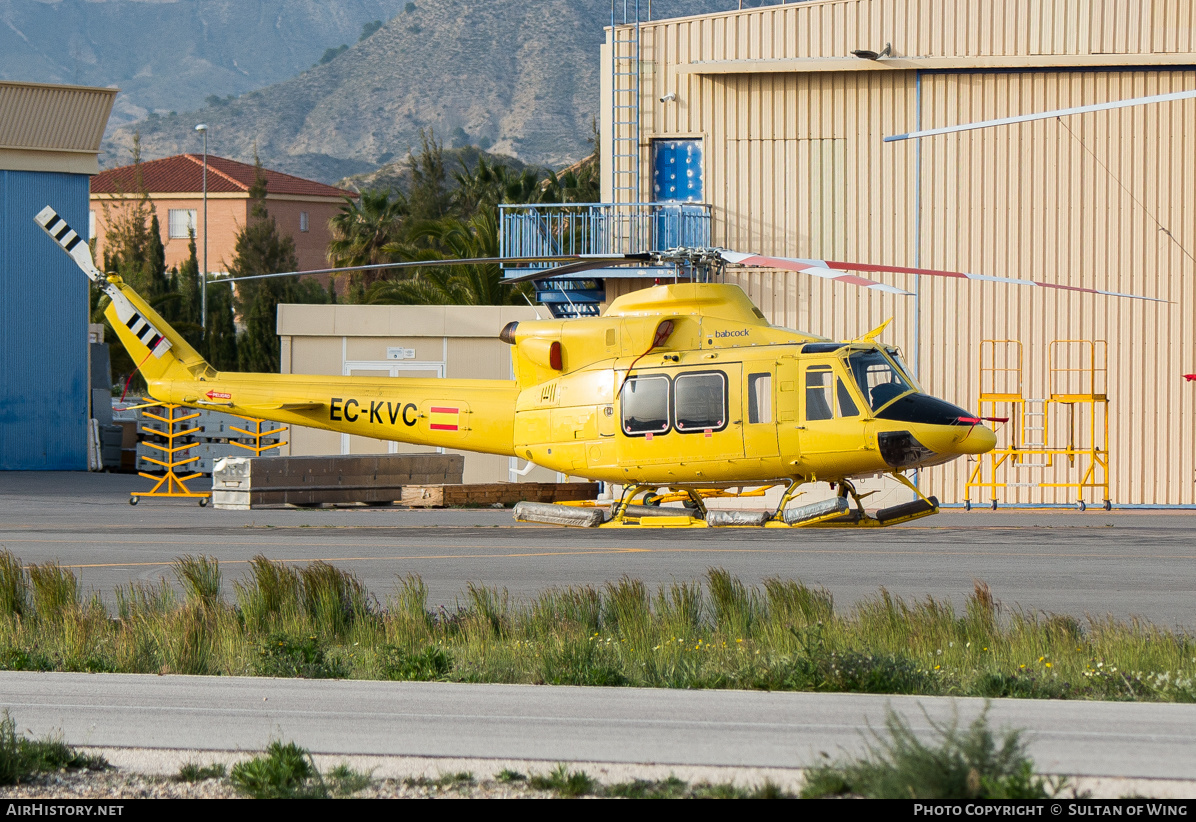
(940, 429)
(979, 439)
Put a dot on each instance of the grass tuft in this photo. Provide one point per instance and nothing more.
(736, 609)
(273, 591)
(671, 788)
(343, 780)
(55, 591)
(490, 606)
(286, 656)
(285, 772)
(21, 758)
(681, 608)
(581, 662)
(960, 764)
(200, 578)
(508, 776)
(431, 664)
(14, 586)
(445, 780)
(334, 598)
(564, 782)
(144, 600)
(628, 609)
(793, 603)
(194, 772)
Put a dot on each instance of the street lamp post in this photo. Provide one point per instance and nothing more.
(203, 275)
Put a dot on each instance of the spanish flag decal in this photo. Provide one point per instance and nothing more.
(444, 418)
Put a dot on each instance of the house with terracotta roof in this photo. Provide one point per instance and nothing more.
(301, 208)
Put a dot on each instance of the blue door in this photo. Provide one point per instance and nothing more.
(676, 178)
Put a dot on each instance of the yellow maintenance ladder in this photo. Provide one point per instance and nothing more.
(170, 432)
(1077, 401)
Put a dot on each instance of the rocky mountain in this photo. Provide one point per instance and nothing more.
(395, 175)
(169, 55)
(517, 77)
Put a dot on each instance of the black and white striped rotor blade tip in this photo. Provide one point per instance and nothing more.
(69, 240)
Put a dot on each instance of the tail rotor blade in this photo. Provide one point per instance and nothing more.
(70, 242)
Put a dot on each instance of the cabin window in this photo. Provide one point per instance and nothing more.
(700, 402)
(759, 398)
(879, 381)
(646, 405)
(847, 406)
(820, 403)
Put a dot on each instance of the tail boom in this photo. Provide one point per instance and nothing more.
(472, 415)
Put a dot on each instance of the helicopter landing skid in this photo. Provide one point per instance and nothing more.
(836, 512)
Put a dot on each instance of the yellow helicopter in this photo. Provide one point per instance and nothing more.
(685, 386)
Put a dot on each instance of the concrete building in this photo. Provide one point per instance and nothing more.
(448, 341)
(783, 127)
(49, 142)
(301, 208)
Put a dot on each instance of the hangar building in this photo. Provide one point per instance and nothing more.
(780, 112)
(49, 142)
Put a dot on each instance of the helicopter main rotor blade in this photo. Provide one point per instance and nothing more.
(432, 263)
(580, 263)
(815, 268)
(961, 275)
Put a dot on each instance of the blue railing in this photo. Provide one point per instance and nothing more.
(542, 230)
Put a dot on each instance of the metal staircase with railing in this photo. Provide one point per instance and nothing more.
(625, 100)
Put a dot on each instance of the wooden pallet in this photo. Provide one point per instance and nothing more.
(498, 493)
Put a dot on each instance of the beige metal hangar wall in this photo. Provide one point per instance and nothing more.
(449, 341)
(795, 164)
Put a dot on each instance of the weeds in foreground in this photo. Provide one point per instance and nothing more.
(564, 782)
(194, 772)
(568, 783)
(319, 622)
(304, 657)
(958, 764)
(285, 772)
(22, 758)
(343, 780)
(446, 781)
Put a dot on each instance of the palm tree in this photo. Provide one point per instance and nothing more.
(362, 230)
(480, 284)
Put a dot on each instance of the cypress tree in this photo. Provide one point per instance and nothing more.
(220, 345)
(260, 249)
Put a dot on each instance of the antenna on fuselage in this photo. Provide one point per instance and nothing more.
(533, 305)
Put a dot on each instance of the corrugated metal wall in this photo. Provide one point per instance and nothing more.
(1100, 200)
(43, 327)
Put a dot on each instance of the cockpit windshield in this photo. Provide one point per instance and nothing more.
(878, 380)
(895, 357)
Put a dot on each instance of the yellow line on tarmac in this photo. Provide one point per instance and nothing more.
(368, 559)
